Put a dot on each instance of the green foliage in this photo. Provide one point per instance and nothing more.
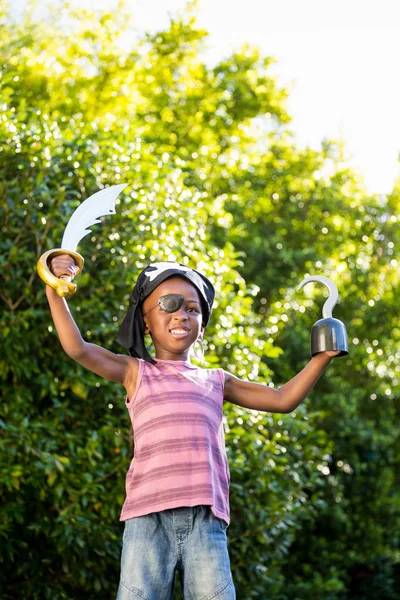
(215, 180)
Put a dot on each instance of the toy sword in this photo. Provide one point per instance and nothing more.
(87, 214)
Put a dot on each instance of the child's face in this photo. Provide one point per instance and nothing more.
(173, 333)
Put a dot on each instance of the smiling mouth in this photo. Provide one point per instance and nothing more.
(179, 331)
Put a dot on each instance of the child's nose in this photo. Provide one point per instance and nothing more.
(180, 314)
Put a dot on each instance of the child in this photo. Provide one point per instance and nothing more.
(177, 507)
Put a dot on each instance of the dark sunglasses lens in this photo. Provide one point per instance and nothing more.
(171, 302)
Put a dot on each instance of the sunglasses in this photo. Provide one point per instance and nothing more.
(169, 303)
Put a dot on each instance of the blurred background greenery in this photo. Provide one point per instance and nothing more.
(216, 181)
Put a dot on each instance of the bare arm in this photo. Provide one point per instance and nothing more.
(115, 367)
(282, 400)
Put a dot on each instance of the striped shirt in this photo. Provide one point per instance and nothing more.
(179, 457)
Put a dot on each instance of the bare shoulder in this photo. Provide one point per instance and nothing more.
(230, 381)
(227, 377)
(131, 374)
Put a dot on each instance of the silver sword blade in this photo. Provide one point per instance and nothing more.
(100, 204)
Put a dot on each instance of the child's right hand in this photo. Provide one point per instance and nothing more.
(63, 265)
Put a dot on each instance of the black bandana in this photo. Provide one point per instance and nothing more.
(131, 332)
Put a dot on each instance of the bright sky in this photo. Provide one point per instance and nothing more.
(340, 59)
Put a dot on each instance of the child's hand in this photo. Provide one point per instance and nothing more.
(63, 265)
(332, 353)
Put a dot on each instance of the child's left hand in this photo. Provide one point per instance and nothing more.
(332, 353)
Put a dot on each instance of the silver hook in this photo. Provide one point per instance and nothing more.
(333, 293)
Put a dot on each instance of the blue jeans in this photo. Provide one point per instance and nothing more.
(191, 541)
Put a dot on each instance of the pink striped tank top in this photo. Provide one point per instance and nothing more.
(179, 457)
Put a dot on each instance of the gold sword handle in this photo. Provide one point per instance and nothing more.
(63, 285)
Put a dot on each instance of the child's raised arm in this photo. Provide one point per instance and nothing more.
(282, 400)
(115, 367)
